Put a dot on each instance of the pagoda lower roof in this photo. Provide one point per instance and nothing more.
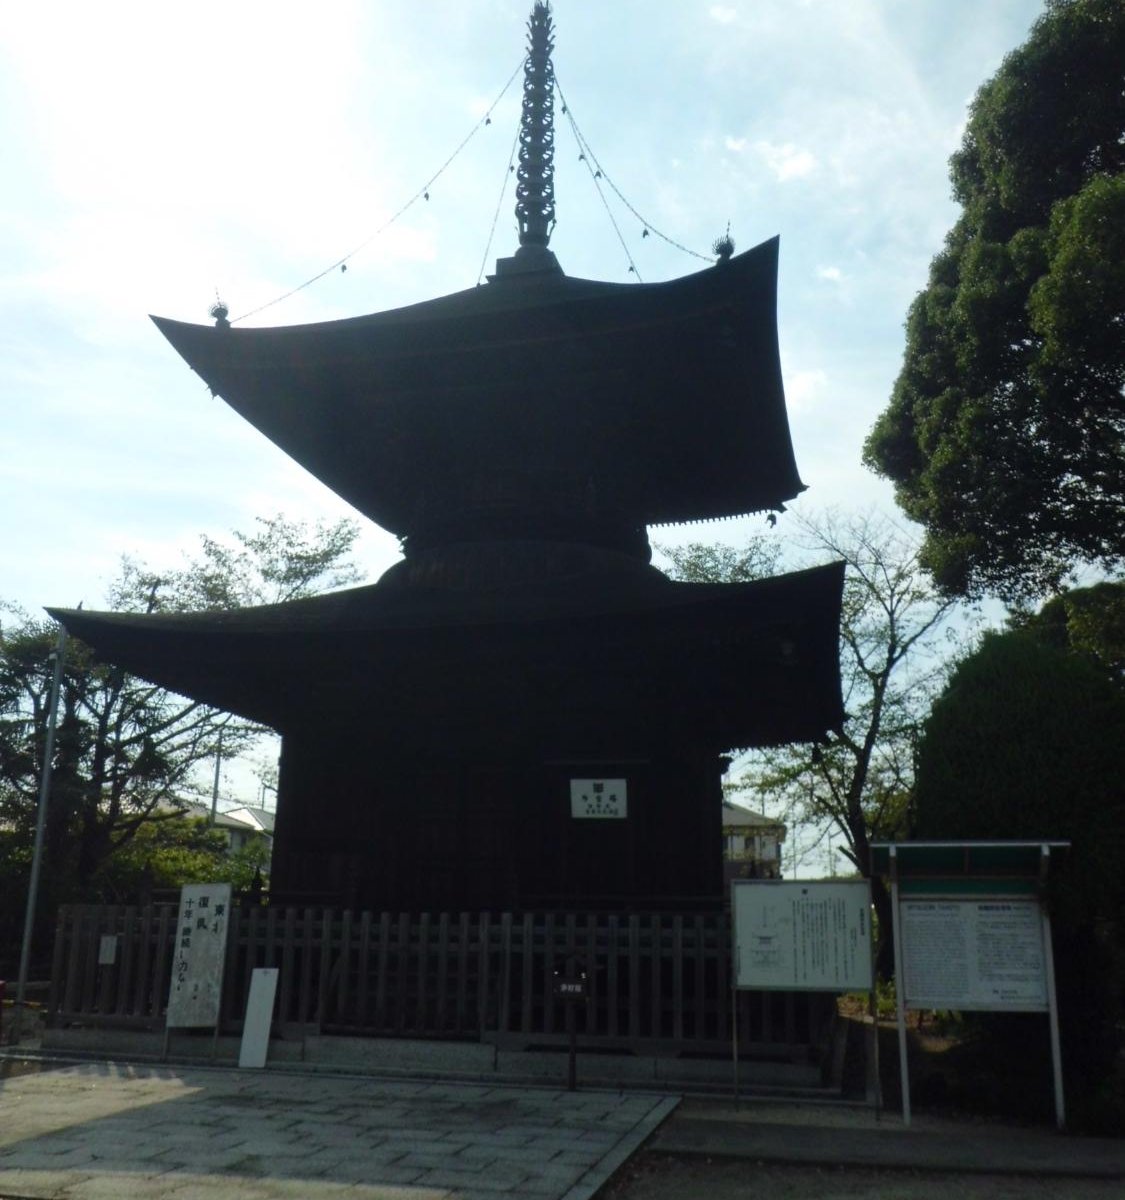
(639, 403)
(747, 664)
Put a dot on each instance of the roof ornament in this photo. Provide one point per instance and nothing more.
(220, 312)
(723, 246)
(535, 190)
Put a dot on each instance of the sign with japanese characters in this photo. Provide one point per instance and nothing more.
(200, 952)
(570, 989)
(973, 954)
(598, 798)
(802, 936)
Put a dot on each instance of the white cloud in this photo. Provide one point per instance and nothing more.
(735, 144)
(722, 14)
(802, 388)
(786, 161)
(832, 274)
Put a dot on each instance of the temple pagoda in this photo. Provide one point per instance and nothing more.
(523, 712)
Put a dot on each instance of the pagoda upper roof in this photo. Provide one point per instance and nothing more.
(536, 393)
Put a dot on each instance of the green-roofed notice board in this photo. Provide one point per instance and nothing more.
(972, 933)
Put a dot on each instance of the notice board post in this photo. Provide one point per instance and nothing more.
(797, 936)
(972, 934)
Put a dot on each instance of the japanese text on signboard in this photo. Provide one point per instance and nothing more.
(803, 936)
(974, 954)
(598, 798)
(200, 951)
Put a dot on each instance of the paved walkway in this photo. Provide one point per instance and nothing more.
(101, 1131)
(117, 1132)
(853, 1136)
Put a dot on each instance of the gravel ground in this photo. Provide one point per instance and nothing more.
(651, 1176)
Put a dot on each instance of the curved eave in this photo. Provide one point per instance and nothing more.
(759, 660)
(670, 393)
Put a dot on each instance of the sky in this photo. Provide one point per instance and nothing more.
(156, 155)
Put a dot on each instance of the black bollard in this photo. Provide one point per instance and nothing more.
(570, 987)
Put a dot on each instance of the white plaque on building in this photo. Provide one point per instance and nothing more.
(199, 956)
(598, 799)
(973, 954)
(802, 936)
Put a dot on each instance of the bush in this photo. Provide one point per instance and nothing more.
(1024, 743)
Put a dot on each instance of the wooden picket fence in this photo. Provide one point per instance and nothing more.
(656, 982)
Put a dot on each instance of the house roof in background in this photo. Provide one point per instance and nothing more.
(260, 818)
(256, 820)
(735, 815)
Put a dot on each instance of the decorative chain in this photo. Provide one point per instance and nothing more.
(423, 193)
(598, 172)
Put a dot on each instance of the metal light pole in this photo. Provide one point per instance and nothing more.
(40, 828)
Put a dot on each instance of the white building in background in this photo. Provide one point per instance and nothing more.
(241, 825)
(751, 844)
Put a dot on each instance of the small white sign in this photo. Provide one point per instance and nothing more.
(107, 950)
(199, 956)
(259, 1017)
(598, 799)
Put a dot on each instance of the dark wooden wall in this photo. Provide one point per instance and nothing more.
(362, 825)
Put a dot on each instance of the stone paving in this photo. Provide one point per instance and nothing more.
(117, 1132)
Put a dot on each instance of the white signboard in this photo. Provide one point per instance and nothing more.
(975, 955)
(200, 952)
(802, 936)
(259, 1017)
(598, 798)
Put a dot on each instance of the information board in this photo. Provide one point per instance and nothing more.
(802, 936)
(973, 954)
(200, 952)
(598, 799)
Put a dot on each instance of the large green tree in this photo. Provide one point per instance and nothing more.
(1087, 621)
(129, 754)
(1004, 433)
(167, 854)
(856, 784)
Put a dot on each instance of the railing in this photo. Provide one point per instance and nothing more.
(656, 981)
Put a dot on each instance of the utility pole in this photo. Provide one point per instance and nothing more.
(58, 655)
(218, 765)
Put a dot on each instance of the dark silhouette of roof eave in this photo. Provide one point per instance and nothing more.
(674, 388)
(726, 639)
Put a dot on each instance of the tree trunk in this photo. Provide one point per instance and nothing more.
(885, 941)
